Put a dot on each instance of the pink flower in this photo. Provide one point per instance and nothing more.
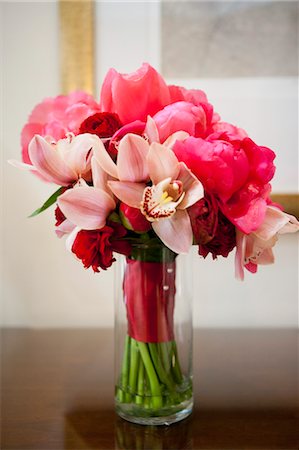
(55, 116)
(134, 96)
(195, 96)
(256, 248)
(87, 207)
(63, 162)
(173, 187)
(184, 116)
(236, 171)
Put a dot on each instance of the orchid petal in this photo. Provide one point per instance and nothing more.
(131, 159)
(177, 136)
(128, 192)
(274, 220)
(99, 176)
(21, 165)
(77, 153)
(267, 257)
(151, 130)
(104, 160)
(66, 227)
(86, 207)
(192, 187)
(240, 254)
(49, 163)
(175, 232)
(71, 239)
(162, 163)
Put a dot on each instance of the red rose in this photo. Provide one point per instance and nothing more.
(224, 240)
(204, 219)
(103, 124)
(95, 247)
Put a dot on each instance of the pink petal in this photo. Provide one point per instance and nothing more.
(162, 163)
(177, 136)
(175, 232)
(49, 163)
(131, 159)
(128, 192)
(104, 160)
(21, 165)
(99, 176)
(151, 130)
(266, 257)
(86, 207)
(66, 227)
(274, 221)
(78, 154)
(191, 185)
(240, 254)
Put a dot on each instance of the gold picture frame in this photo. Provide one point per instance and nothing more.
(78, 65)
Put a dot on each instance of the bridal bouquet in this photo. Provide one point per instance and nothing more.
(152, 164)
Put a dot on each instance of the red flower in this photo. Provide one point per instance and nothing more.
(103, 124)
(133, 219)
(224, 240)
(204, 219)
(95, 247)
(59, 216)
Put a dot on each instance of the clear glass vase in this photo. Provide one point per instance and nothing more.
(153, 336)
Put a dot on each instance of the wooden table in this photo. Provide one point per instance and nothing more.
(57, 393)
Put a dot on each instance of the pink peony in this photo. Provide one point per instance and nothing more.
(195, 96)
(236, 171)
(134, 96)
(55, 116)
(184, 116)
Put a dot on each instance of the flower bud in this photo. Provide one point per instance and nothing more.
(133, 219)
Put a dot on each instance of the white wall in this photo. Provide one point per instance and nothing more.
(43, 285)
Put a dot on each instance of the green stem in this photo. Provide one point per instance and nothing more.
(134, 362)
(125, 369)
(176, 368)
(159, 368)
(153, 379)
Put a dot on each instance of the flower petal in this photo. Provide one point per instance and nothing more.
(66, 227)
(86, 207)
(131, 159)
(162, 163)
(21, 165)
(77, 154)
(175, 232)
(191, 185)
(49, 163)
(128, 192)
(240, 255)
(151, 130)
(177, 136)
(275, 221)
(104, 160)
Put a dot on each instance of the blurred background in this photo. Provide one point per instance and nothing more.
(244, 54)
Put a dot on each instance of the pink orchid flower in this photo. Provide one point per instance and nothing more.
(87, 207)
(256, 248)
(174, 188)
(63, 162)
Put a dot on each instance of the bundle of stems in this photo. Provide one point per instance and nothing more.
(151, 375)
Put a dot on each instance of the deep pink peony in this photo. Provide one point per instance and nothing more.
(55, 116)
(185, 116)
(236, 171)
(136, 95)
